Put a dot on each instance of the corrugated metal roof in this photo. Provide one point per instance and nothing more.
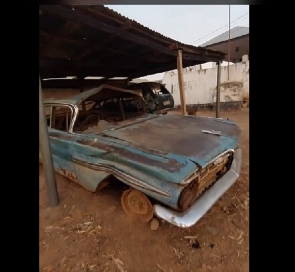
(86, 40)
(235, 32)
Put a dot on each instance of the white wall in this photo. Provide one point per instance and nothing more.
(199, 84)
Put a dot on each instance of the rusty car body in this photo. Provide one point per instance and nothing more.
(183, 164)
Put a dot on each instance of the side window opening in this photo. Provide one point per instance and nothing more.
(59, 117)
(107, 112)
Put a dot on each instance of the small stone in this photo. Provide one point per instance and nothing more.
(155, 224)
(212, 230)
(65, 206)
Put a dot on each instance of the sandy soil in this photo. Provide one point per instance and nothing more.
(91, 232)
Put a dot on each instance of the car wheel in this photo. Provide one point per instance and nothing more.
(136, 204)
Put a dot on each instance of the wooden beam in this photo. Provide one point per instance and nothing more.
(218, 90)
(181, 83)
(114, 67)
(94, 47)
(179, 87)
(91, 22)
(76, 83)
(64, 67)
(49, 36)
(45, 151)
(127, 24)
(53, 69)
(98, 45)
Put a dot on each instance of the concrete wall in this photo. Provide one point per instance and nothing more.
(200, 84)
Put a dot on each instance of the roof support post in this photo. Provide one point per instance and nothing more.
(218, 90)
(46, 153)
(180, 82)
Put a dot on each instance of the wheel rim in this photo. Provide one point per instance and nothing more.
(136, 204)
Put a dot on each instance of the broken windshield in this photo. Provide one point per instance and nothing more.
(103, 110)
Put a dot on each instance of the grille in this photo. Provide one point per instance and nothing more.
(207, 177)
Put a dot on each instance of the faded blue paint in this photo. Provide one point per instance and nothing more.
(62, 152)
(171, 174)
(161, 170)
(215, 119)
(152, 151)
(89, 178)
(182, 136)
(145, 173)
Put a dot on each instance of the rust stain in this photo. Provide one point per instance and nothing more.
(171, 165)
(61, 136)
(68, 175)
(207, 178)
(124, 177)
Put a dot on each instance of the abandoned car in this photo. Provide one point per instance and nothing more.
(176, 166)
(155, 95)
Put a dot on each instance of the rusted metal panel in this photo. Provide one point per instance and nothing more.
(192, 215)
(154, 173)
(89, 178)
(182, 135)
(162, 156)
(61, 146)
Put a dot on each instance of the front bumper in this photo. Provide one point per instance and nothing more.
(191, 216)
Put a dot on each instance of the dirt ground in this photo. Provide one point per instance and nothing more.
(90, 231)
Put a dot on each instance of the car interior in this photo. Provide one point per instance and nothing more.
(97, 111)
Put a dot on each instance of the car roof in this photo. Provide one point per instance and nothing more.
(76, 99)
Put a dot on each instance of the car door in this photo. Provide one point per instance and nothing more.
(61, 144)
(61, 141)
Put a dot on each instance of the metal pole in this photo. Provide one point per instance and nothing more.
(228, 42)
(46, 153)
(218, 90)
(180, 82)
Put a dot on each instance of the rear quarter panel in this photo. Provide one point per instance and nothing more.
(96, 157)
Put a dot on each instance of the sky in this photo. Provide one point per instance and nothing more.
(190, 24)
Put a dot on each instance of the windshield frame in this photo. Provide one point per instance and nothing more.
(78, 109)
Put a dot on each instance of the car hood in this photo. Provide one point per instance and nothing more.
(181, 135)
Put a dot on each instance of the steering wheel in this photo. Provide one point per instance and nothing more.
(86, 120)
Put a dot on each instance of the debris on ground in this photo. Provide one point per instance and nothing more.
(193, 241)
(212, 230)
(119, 264)
(180, 255)
(190, 237)
(155, 224)
(162, 269)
